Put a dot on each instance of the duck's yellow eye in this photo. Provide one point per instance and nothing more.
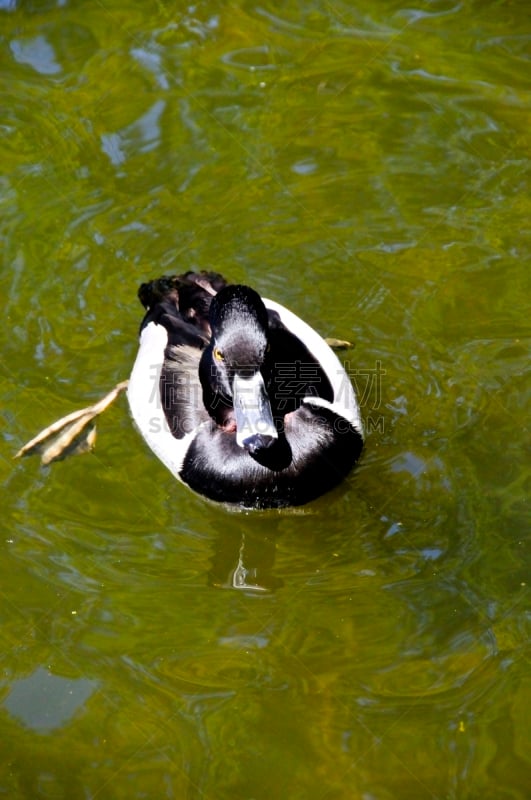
(218, 355)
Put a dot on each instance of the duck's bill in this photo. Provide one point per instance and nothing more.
(255, 427)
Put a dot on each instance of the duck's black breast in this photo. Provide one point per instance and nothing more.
(313, 454)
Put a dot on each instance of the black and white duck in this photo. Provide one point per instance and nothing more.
(239, 398)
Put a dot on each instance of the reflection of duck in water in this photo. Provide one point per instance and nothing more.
(238, 397)
(245, 559)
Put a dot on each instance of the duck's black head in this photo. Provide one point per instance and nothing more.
(234, 367)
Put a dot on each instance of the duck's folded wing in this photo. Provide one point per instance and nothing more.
(331, 385)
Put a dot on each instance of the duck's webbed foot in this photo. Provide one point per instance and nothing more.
(73, 434)
(338, 344)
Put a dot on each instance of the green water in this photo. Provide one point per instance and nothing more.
(365, 164)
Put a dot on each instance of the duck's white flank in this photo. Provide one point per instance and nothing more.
(143, 394)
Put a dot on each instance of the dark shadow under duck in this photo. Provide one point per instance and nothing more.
(242, 400)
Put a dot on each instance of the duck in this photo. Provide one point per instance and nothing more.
(238, 397)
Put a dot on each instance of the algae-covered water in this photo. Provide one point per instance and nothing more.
(366, 165)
